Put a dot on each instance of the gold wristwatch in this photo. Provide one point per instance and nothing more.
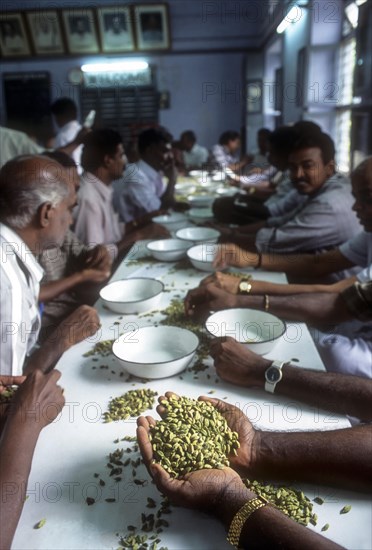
(245, 286)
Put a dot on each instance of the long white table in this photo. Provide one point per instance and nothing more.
(76, 446)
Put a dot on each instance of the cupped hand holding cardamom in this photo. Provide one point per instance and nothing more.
(244, 460)
(206, 489)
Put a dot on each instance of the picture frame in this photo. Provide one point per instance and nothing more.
(13, 37)
(46, 32)
(116, 29)
(254, 96)
(80, 31)
(152, 27)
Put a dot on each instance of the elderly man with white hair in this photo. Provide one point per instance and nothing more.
(36, 201)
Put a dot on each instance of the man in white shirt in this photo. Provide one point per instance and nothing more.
(36, 201)
(104, 160)
(64, 111)
(194, 155)
(141, 191)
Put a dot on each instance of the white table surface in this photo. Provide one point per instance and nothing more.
(77, 444)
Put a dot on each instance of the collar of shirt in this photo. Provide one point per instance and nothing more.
(22, 251)
(105, 191)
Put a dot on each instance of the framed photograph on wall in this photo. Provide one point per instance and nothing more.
(254, 96)
(45, 31)
(80, 31)
(13, 37)
(115, 27)
(152, 27)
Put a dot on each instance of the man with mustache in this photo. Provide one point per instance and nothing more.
(324, 221)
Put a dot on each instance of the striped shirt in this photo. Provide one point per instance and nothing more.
(20, 276)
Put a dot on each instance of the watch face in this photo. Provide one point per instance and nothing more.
(273, 374)
(243, 285)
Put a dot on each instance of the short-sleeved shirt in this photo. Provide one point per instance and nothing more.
(138, 192)
(65, 135)
(20, 276)
(14, 143)
(359, 251)
(196, 157)
(358, 298)
(60, 262)
(222, 156)
(324, 221)
(96, 220)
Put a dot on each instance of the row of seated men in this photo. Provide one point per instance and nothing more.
(39, 194)
(311, 211)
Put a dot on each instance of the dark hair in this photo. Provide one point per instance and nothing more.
(307, 127)
(189, 135)
(64, 106)
(321, 141)
(152, 136)
(229, 135)
(282, 140)
(264, 132)
(63, 158)
(97, 145)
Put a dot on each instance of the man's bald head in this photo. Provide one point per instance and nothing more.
(26, 183)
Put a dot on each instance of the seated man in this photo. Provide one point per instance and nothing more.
(141, 192)
(225, 153)
(326, 219)
(73, 272)
(244, 208)
(36, 201)
(194, 156)
(348, 347)
(103, 159)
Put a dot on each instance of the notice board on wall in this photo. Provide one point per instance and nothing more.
(27, 98)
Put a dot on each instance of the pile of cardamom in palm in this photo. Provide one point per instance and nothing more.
(192, 436)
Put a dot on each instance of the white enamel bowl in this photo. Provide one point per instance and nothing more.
(168, 250)
(198, 234)
(155, 352)
(200, 201)
(202, 255)
(259, 331)
(135, 295)
(200, 215)
(172, 221)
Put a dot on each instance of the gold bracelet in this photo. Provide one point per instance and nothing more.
(241, 517)
(266, 302)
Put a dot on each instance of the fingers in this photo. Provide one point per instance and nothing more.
(145, 445)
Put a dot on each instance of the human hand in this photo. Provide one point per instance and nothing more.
(203, 489)
(231, 254)
(100, 259)
(225, 281)
(81, 324)
(200, 301)
(6, 381)
(237, 364)
(237, 422)
(151, 231)
(38, 400)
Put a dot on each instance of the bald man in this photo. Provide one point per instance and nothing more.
(36, 201)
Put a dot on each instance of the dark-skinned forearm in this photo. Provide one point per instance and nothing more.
(338, 457)
(314, 308)
(17, 447)
(269, 528)
(48, 291)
